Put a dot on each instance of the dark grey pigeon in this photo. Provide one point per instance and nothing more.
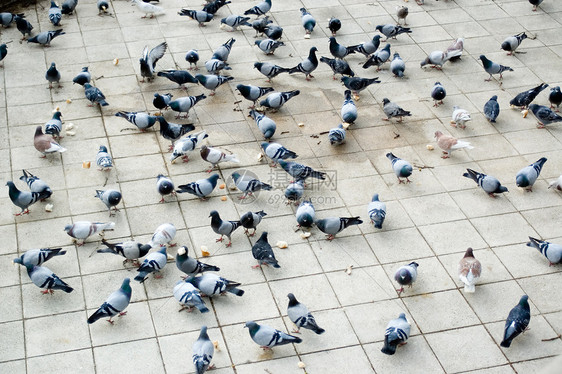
(251, 220)
(544, 115)
(517, 321)
(526, 97)
(357, 84)
(69, 6)
(406, 275)
(492, 109)
(173, 131)
(260, 9)
(190, 265)
(94, 95)
(301, 172)
(438, 93)
(53, 75)
(165, 186)
(555, 97)
(263, 252)
(334, 225)
(213, 6)
(223, 228)
(22, 199)
(23, 25)
(149, 59)
(180, 77)
(83, 77)
(162, 101)
(306, 66)
(338, 66)
(305, 214)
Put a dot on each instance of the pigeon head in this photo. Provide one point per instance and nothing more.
(67, 228)
(524, 301)
(235, 176)
(103, 148)
(468, 253)
(251, 325)
(438, 134)
(379, 28)
(487, 63)
(17, 260)
(390, 156)
(182, 251)
(125, 286)
(214, 214)
(494, 98)
(263, 236)
(87, 85)
(375, 197)
(385, 101)
(38, 131)
(292, 299)
(414, 264)
(437, 83)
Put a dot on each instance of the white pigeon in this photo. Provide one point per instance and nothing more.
(460, 117)
(163, 235)
(148, 8)
(214, 156)
(557, 184)
(81, 230)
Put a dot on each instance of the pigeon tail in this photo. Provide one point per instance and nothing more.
(236, 291)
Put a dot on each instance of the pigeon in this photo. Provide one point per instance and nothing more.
(248, 184)
(535, 4)
(251, 220)
(489, 184)
(235, 21)
(334, 25)
(334, 225)
(396, 333)
(184, 104)
(45, 143)
(23, 25)
(268, 46)
(308, 22)
(401, 168)
(469, 271)
(203, 350)
(200, 188)
(544, 115)
(173, 131)
(165, 186)
(35, 184)
(55, 14)
(356, 84)
(378, 58)
(200, 16)
(190, 265)
(269, 70)
(212, 82)
(213, 7)
(525, 98)
(260, 24)
(102, 5)
(555, 97)
(214, 66)
(299, 171)
(305, 214)
(402, 13)
(552, 252)
(192, 57)
(460, 117)
(36, 257)
(253, 93)
(110, 198)
(22, 199)
(348, 109)
(527, 176)
(263, 252)
(338, 66)
(180, 77)
(267, 337)
(260, 9)
(298, 313)
(276, 100)
(337, 50)
(276, 152)
(149, 59)
(223, 228)
(222, 52)
(393, 110)
(436, 59)
(185, 146)
(148, 9)
(449, 143)
(162, 101)
(337, 135)
(438, 93)
(215, 156)
(517, 321)
(42, 277)
(153, 263)
(557, 184)
(3, 50)
(45, 37)
(83, 77)
(454, 51)
(511, 43)
(492, 109)
(163, 235)
(493, 68)
(6, 19)
(131, 250)
(266, 125)
(53, 75)
(115, 304)
(94, 95)
(82, 230)
(273, 32)
(377, 211)
(141, 120)
(103, 159)
(189, 297)
(69, 6)
(306, 66)
(397, 65)
(391, 31)
(368, 48)
(406, 275)
(211, 284)
(294, 191)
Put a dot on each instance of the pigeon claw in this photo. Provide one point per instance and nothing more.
(256, 266)
(229, 244)
(110, 321)
(400, 290)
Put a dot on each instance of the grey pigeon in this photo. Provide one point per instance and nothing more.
(268, 46)
(248, 184)
(259, 24)
(251, 220)
(68, 6)
(526, 97)
(493, 67)
(337, 135)
(338, 66)
(301, 172)
(200, 188)
(22, 199)
(269, 70)
(273, 32)
(308, 22)
(436, 59)
(544, 115)
(165, 186)
(190, 265)
(173, 131)
(215, 156)
(298, 313)
(153, 263)
(200, 16)
(186, 145)
(294, 191)
(527, 176)
(184, 104)
(211, 284)
(268, 337)
(552, 252)
(253, 93)
(489, 184)
(438, 93)
(555, 97)
(212, 82)
(192, 57)
(45, 37)
(334, 225)
(141, 120)
(42, 277)
(368, 48)
(222, 52)
(202, 351)
(397, 65)
(149, 59)
(391, 31)
(308, 65)
(535, 4)
(276, 100)
(348, 109)
(260, 9)
(517, 321)
(180, 77)
(397, 332)
(492, 109)
(337, 50)
(23, 25)
(377, 211)
(82, 230)
(334, 25)
(276, 152)
(393, 110)
(162, 101)
(83, 77)
(35, 184)
(378, 58)
(214, 66)
(111, 198)
(235, 21)
(36, 257)
(266, 125)
(163, 235)
(401, 168)
(103, 159)
(223, 228)
(357, 84)
(55, 14)
(213, 7)
(305, 214)
(53, 75)
(406, 275)
(189, 297)
(511, 43)
(6, 18)
(263, 252)
(103, 5)
(94, 95)
(115, 304)
(45, 143)
(3, 51)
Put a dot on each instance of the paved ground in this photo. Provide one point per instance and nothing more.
(432, 220)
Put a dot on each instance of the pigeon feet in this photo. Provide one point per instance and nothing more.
(47, 291)
(330, 237)
(121, 314)
(229, 244)
(158, 276)
(256, 266)
(22, 213)
(400, 290)
(219, 240)
(110, 321)
(162, 200)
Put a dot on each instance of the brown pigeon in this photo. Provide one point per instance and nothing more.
(45, 143)
(449, 143)
(469, 271)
